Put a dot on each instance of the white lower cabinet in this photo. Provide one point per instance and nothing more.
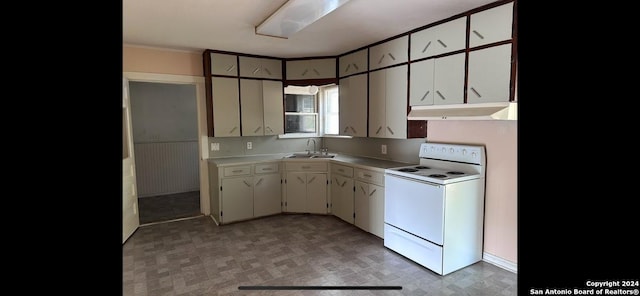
(243, 192)
(306, 187)
(267, 194)
(342, 197)
(237, 199)
(369, 201)
(306, 192)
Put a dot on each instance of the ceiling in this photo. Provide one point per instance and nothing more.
(228, 25)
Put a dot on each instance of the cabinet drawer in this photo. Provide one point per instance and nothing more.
(237, 171)
(265, 168)
(370, 176)
(307, 166)
(341, 170)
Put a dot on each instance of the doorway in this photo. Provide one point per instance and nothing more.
(165, 139)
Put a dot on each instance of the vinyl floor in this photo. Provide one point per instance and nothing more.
(287, 251)
(169, 207)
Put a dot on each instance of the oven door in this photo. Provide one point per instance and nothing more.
(415, 206)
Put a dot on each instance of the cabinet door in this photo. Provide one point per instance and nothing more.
(226, 107)
(311, 69)
(443, 38)
(392, 52)
(353, 105)
(353, 63)
(250, 67)
(489, 75)
(396, 102)
(342, 198)
(237, 199)
(369, 208)
(252, 110)
(273, 104)
(224, 64)
(491, 25)
(323, 68)
(377, 89)
(375, 194)
(296, 187)
(271, 69)
(449, 80)
(267, 195)
(421, 83)
(317, 193)
(361, 206)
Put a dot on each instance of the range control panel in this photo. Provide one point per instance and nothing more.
(453, 152)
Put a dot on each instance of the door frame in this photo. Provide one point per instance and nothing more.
(203, 138)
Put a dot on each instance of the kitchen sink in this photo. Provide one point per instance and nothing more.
(310, 155)
(322, 156)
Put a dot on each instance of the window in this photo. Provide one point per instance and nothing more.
(300, 111)
(300, 114)
(330, 110)
(311, 111)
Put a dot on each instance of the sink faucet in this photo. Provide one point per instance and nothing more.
(314, 144)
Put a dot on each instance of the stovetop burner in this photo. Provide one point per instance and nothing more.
(421, 167)
(407, 170)
(455, 173)
(437, 176)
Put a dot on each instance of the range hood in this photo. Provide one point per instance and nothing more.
(481, 111)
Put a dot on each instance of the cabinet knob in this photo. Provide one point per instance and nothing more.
(392, 57)
(390, 130)
(267, 70)
(441, 96)
(442, 43)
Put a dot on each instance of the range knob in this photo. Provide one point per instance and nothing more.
(444, 149)
(473, 155)
(451, 150)
(464, 151)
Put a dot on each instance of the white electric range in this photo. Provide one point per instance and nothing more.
(434, 211)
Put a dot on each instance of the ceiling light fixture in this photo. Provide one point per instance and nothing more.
(295, 15)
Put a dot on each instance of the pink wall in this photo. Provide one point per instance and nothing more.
(148, 60)
(501, 198)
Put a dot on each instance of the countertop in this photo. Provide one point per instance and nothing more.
(356, 161)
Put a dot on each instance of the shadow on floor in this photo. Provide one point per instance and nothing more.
(169, 207)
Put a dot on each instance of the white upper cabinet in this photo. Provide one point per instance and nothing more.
(489, 75)
(448, 80)
(388, 103)
(260, 68)
(353, 105)
(421, 83)
(226, 107)
(392, 52)
(311, 69)
(440, 39)
(262, 107)
(491, 25)
(273, 104)
(224, 64)
(353, 63)
(437, 81)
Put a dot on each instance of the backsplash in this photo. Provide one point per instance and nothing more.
(397, 149)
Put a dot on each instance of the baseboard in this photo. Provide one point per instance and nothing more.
(502, 263)
(214, 220)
